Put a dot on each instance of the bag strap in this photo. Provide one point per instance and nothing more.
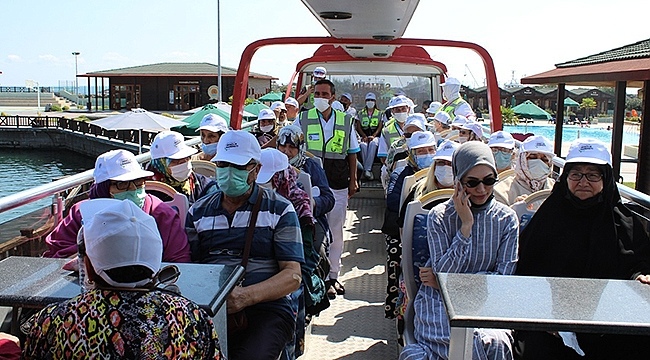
(251, 228)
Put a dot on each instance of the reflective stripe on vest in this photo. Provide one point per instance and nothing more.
(369, 122)
(337, 146)
(390, 132)
(451, 107)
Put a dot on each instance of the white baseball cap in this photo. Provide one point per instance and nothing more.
(537, 143)
(442, 117)
(278, 105)
(446, 150)
(501, 139)
(118, 165)
(371, 96)
(450, 81)
(347, 95)
(238, 147)
(474, 127)
(214, 123)
(434, 107)
(291, 101)
(585, 150)
(266, 114)
(273, 160)
(336, 105)
(170, 144)
(416, 119)
(118, 233)
(421, 139)
(399, 100)
(319, 72)
(459, 121)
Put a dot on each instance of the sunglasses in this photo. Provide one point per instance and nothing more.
(488, 181)
(225, 164)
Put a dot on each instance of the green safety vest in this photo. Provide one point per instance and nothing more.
(369, 122)
(337, 146)
(390, 133)
(449, 108)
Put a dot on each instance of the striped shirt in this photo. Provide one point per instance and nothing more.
(217, 237)
(491, 248)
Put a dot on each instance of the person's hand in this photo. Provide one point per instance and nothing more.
(644, 279)
(428, 278)
(237, 300)
(5, 336)
(462, 206)
(353, 187)
(364, 139)
(370, 138)
(72, 265)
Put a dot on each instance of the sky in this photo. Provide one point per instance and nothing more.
(526, 37)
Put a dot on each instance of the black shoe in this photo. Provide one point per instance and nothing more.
(331, 292)
(338, 287)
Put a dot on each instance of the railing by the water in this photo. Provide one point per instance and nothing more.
(23, 89)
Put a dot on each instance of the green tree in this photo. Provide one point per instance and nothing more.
(588, 103)
(633, 102)
(508, 116)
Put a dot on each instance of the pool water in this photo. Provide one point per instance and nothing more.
(570, 133)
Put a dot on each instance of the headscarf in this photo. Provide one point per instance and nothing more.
(292, 135)
(594, 238)
(284, 182)
(523, 176)
(100, 190)
(162, 174)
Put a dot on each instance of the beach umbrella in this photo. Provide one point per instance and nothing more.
(530, 110)
(221, 105)
(570, 102)
(272, 96)
(137, 119)
(189, 125)
(255, 108)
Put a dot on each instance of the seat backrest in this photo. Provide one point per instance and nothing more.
(178, 201)
(316, 158)
(408, 184)
(435, 197)
(415, 254)
(304, 179)
(505, 174)
(206, 168)
(526, 209)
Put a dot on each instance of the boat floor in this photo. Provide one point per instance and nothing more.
(354, 326)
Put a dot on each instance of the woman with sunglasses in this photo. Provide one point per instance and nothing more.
(470, 233)
(118, 175)
(583, 230)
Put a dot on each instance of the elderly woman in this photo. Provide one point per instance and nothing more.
(583, 230)
(211, 128)
(503, 147)
(440, 175)
(170, 163)
(532, 169)
(266, 128)
(118, 175)
(421, 149)
(470, 233)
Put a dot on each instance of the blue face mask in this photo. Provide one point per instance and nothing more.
(137, 196)
(424, 161)
(210, 149)
(233, 182)
(503, 159)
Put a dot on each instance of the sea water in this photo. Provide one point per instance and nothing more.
(22, 169)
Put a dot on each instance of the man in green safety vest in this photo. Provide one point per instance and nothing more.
(329, 135)
(393, 129)
(369, 127)
(306, 97)
(455, 104)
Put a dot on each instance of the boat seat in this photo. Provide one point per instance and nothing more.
(526, 208)
(304, 181)
(204, 167)
(408, 184)
(505, 174)
(178, 201)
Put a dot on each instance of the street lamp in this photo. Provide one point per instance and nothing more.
(76, 84)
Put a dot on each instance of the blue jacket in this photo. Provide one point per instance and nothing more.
(325, 201)
(395, 185)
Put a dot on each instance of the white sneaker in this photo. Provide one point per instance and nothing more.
(368, 175)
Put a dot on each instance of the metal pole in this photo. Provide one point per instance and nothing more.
(76, 71)
(38, 96)
(219, 50)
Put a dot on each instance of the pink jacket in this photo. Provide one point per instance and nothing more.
(62, 241)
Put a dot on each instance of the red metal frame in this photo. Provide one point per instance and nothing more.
(241, 80)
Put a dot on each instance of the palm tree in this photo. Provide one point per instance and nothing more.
(508, 116)
(588, 103)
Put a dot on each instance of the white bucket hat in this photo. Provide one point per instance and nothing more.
(442, 117)
(273, 160)
(416, 119)
(291, 101)
(214, 123)
(421, 139)
(474, 127)
(537, 143)
(118, 165)
(446, 150)
(266, 114)
(278, 105)
(170, 144)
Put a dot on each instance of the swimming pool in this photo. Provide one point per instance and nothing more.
(570, 133)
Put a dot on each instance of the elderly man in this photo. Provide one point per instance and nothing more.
(293, 108)
(211, 128)
(217, 227)
(330, 136)
(280, 112)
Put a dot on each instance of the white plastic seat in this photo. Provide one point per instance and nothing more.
(505, 174)
(304, 179)
(526, 208)
(407, 186)
(178, 201)
(206, 168)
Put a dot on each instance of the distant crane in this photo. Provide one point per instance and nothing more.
(472, 75)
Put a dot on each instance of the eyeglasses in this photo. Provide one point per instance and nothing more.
(125, 185)
(488, 181)
(463, 132)
(225, 164)
(591, 177)
(407, 135)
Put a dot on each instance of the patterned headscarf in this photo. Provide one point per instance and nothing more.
(163, 174)
(284, 182)
(523, 176)
(292, 135)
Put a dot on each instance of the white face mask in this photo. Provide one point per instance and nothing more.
(452, 133)
(370, 104)
(182, 171)
(462, 139)
(266, 128)
(444, 175)
(401, 117)
(321, 104)
(538, 169)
